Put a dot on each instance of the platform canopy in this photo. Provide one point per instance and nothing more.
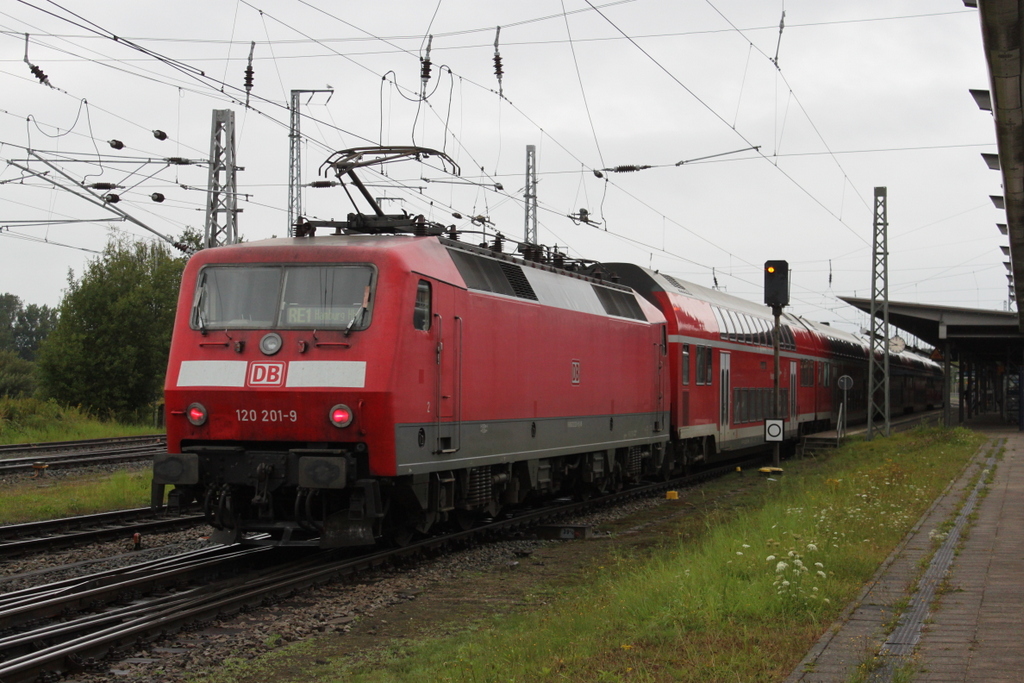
(984, 334)
(1002, 30)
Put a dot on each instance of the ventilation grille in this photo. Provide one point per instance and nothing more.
(490, 275)
(516, 278)
(622, 304)
(675, 283)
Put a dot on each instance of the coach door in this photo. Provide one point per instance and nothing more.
(793, 414)
(449, 370)
(724, 393)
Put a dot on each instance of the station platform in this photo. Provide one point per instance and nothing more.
(960, 619)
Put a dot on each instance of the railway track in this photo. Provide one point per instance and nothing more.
(73, 624)
(64, 454)
(31, 537)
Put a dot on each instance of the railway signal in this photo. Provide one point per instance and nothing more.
(776, 295)
(776, 283)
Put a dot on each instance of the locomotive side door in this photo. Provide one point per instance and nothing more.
(449, 369)
(725, 393)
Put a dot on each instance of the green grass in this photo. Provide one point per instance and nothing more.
(53, 498)
(30, 420)
(743, 601)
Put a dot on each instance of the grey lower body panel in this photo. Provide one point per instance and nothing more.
(472, 444)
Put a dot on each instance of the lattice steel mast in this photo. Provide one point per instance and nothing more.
(530, 229)
(878, 363)
(222, 188)
(295, 160)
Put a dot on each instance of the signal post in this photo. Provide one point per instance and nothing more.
(776, 295)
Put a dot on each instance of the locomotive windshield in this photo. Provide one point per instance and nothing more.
(283, 297)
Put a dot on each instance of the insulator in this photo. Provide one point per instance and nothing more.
(178, 161)
(102, 186)
(598, 173)
(498, 71)
(584, 216)
(116, 144)
(323, 183)
(457, 216)
(112, 198)
(38, 73)
(627, 168)
(499, 187)
(157, 197)
(425, 63)
(248, 78)
(160, 135)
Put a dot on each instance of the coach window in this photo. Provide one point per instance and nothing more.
(701, 373)
(707, 362)
(686, 363)
(421, 312)
(806, 372)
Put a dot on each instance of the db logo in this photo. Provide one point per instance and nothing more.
(266, 374)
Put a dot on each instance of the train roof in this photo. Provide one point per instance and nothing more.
(479, 268)
(647, 282)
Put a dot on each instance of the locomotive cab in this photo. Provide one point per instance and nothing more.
(274, 385)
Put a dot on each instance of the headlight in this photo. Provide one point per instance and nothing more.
(271, 343)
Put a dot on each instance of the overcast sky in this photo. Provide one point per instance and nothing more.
(866, 93)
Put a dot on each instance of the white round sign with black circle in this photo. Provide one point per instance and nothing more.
(773, 430)
(846, 383)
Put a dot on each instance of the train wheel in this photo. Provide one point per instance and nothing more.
(399, 524)
(464, 520)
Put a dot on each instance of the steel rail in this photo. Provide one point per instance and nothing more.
(227, 596)
(43, 447)
(72, 531)
(85, 459)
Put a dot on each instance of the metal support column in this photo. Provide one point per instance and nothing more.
(776, 393)
(878, 365)
(530, 229)
(295, 159)
(947, 385)
(222, 188)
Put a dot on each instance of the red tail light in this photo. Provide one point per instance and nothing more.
(196, 414)
(341, 415)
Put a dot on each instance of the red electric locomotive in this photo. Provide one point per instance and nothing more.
(334, 389)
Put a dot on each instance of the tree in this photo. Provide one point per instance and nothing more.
(17, 376)
(9, 307)
(23, 328)
(108, 350)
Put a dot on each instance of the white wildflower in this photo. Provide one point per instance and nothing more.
(819, 565)
(821, 574)
(738, 552)
(769, 558)
(745, 545)
(785, 583)
(798, 563)
(792, 553)
(812, 547)
(781, 567)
